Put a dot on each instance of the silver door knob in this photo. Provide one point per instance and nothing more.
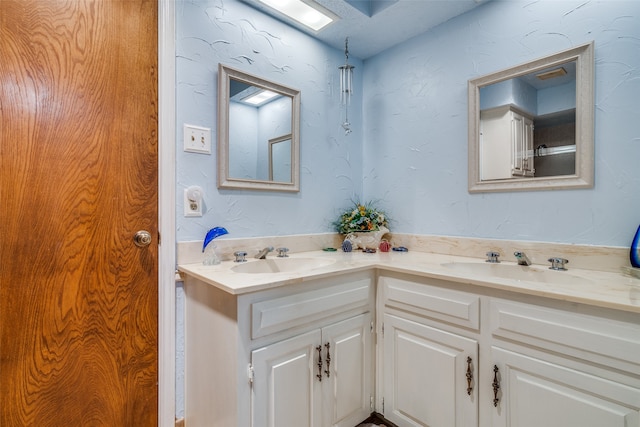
(142, 238)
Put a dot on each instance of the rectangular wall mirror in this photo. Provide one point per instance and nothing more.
(258, 133)
(531, 126)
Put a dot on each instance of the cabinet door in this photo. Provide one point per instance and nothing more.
(496, 157)
(517, 139)
(424, 374)
(286, 391)
(536, 393)
(522, 140)
(348, 386)
(528, 163)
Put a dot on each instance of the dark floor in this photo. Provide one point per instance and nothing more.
(376, 420)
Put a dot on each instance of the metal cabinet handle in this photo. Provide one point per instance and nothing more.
(469, 376)
(328, 371)
(496, 385)
(319, 374)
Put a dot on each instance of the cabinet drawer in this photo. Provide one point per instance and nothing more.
(459, 308)
(279, 314)
(610, 342)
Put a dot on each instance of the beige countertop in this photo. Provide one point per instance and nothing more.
(595, 288)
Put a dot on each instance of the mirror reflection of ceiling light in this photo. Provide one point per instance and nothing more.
(306, 12)
(260, 97)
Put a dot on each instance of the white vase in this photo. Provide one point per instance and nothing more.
(366, 239)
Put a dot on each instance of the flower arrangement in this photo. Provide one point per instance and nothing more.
(362, 217)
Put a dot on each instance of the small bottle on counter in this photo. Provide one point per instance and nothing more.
(634, 255)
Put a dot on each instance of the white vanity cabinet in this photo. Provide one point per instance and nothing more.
(296, 355)
(424, 363)
(320, 378)
(422, 385)
(506, 144)
(564, 367)
(532, 361)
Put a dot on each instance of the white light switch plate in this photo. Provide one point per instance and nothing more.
(197, 139)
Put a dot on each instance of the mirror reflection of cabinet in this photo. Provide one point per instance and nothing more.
(506, 143)
(258, 133)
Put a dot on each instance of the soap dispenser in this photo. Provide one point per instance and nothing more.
(209, 249)
(634, 255)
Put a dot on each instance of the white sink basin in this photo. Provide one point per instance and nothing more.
(516, 272)
(281, 265)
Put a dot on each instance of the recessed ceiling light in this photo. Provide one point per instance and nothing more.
(306, 12)
(558, 72)
(260, 97)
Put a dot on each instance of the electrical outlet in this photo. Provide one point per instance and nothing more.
(193, 201)
(197, 139)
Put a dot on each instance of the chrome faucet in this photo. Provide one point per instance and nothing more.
(262, 254)
(522, 258)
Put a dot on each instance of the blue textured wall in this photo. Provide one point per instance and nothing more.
(413, 137)
(415, 117)
(230, 32)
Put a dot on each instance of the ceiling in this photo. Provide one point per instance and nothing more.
(570, 77)
(375, 25)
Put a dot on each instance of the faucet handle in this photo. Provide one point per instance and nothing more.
(558, 263)
(282, 252)
(240, 256)
(492, 257)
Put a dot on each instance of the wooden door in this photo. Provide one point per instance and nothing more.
(78, 178)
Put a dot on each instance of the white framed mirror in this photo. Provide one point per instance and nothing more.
(531, 126)
(253, 115)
